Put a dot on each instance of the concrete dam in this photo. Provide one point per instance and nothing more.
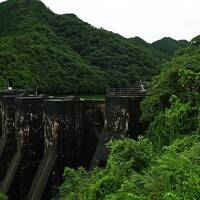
(40, 135)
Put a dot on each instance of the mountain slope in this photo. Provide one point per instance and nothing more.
(61, 53)
(169, 46)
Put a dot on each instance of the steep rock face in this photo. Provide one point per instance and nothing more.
(60, 53)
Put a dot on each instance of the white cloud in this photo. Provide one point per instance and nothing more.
(149, 19)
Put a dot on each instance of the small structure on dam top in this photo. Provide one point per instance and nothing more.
(41, 135)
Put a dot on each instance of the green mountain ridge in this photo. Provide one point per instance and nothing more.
(60, 53)
(169, 46)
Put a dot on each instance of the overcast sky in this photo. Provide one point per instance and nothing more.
(149, 19)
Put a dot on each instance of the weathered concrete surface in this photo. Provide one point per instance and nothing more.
(73, 127)
(122, 120)
(30, 132)
(8, 133)
(71, 130)
(25, 140)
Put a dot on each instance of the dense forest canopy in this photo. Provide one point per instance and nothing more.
(60, 53)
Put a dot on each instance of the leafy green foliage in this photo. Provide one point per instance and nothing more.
(182, 117)
(126, 156)
(173, 109)
(3, 197)
(173, 175)
(179, 77)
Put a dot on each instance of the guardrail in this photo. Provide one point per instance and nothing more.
(128, 92)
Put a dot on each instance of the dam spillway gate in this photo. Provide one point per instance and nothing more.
(41, 135)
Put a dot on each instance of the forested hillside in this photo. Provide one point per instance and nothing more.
(169, 46)
(60, 53)
(164, 164)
